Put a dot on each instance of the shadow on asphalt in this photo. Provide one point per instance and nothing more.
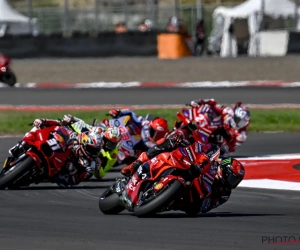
(55, 188)
(179, 215)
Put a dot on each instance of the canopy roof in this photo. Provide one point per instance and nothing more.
(275, 8)
(8, 14)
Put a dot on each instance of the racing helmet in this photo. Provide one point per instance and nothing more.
(91, 143)
(158, 128)
(112, 138)
(241, 116)
(231, 172)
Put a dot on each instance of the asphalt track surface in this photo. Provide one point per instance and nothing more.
(134, 96)
(150, 69)
(46, 217)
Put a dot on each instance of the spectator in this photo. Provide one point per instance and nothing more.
(121, 27)
(145, 25)
(173, 24)
(200, 37)
(177, 25)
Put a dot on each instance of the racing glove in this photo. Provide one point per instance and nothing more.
(67, 119)
(91, 167)
(115, 113)
(195, 103)
(175, 140)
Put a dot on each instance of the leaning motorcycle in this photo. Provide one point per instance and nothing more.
(40, 155)
(132, 145)
(7, 76)
(170, 181)
(216, 133)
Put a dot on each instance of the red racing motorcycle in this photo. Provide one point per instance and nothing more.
(215, 133)
(7, 76)
(40, 156)
(170, 181)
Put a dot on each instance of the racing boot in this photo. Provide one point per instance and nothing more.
(131, 169)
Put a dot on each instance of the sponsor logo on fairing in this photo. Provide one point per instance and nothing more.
(130, 186)
(117, 123)
(134, 180)
(190, 154)
(140, 170)
(198, 147)
(182, 151)
(129, 143)
(213, 169)
(204, 138)
(207, 179)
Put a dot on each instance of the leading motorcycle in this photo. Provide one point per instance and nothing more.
(170, 181)
(209, 132)
(40, 155)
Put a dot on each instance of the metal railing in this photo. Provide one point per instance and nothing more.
(102, 15)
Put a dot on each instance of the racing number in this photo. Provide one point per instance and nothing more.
(201, 120)
(53, 144)
(125, 135)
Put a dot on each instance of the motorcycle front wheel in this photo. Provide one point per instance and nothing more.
(159, 201)
(109, 203)
(8, 176)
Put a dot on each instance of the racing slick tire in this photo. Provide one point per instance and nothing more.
(109, 203)
(12, 174)
(157, 204)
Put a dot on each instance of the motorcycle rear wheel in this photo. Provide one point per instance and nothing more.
(109, 203)
(9, 78)
(163, 199)
(7, 177)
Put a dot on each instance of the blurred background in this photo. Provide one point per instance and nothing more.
(102, 15)
(203, 27)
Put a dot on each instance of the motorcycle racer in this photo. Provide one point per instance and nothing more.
(167, 144)
(235, 120)
(230, 173)
(109, 153)
(220, 178)
(151, 131)
(116, 113)
(83, 161)
(111, 137)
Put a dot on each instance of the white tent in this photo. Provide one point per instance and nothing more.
(12, 22)
(253, 11)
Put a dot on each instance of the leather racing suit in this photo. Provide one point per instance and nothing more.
(107, 158)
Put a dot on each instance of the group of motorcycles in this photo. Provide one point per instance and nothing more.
(41, 155)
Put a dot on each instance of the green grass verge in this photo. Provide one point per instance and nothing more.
(288, 120)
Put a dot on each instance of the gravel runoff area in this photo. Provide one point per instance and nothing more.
(155, 70)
